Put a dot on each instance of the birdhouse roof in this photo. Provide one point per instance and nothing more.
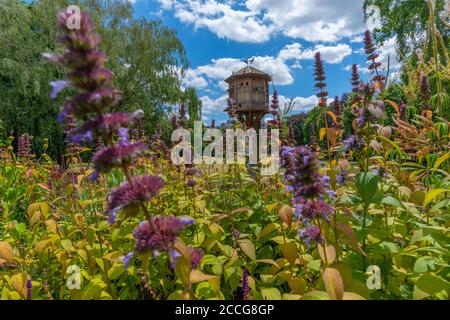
(248, 71)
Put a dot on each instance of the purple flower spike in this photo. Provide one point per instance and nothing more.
(309, 234)
(144, 188)
(124, 136)
(160, 236)
(316, 209)
(58, 86)
(196, 255)
(117, 155)
(245, 287)
(29, 287)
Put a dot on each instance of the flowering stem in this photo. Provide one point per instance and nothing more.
(324, 245)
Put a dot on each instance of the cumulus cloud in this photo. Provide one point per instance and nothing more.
(330, 54)
(193, 78)
(279, 66)
(210, 105)
(257, 20)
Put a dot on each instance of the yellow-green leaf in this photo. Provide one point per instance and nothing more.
(327, 253)
(270, 294)
(248, 248)
(432, 194)
(333, 283)
(290, 251)
(6, 251)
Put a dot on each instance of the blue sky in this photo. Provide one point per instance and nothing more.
(282, 35)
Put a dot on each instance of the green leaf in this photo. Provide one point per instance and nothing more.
(316, 295)
(248, 248)
(441, 159)
(432, 194)
(116, 271)
(367, 186)
(432, 284)
(424, 264)
(91, 292)
(183, 270)
(267, 230)
(391, 201)
(270, 294)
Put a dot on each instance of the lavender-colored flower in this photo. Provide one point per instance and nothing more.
(143, 188)
(174, 254)
(117, 155)
(191, 183)
(301, 172)
(104, 125)
(58, 86)
(231, 109)
(311, 233)
(124, 135)
(381, 172)
(244, 284)
(126, 259)
(354, 143)
(342, 177)
(160, 236)
(29, 286)
(235, 234)
(187, 220)
(313, 209)
(359, 119)
(356, 84)
(291, 136)
(196, 255)
(86, 69)
(191, 171)
(158, 147)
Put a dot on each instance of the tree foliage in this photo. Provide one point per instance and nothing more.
(407, 21)
(146, 57)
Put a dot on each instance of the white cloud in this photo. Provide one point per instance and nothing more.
(365, 70)
(210, 106)
(301, 104)
(193, 78)
(330, 54)
(258, 20)
(388, 53)
(221, 19)
(279, 67)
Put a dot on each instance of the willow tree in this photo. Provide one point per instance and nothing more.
(145, 56)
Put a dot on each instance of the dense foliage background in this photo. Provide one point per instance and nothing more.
(145, 56)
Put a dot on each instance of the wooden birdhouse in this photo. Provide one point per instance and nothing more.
(249, 92)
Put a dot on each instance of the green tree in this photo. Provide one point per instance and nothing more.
(193, 105)
(145, 56)
(408, 21)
